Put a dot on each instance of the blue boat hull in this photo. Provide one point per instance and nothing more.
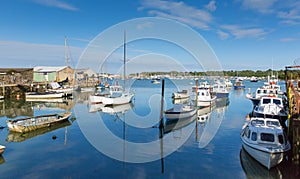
(238, 87)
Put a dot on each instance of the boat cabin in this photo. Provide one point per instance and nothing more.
(265, 131)
(267, 100)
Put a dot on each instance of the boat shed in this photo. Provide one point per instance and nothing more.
(53, 73)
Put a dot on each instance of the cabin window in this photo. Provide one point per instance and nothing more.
(267, 137)
(273, 123)
(266, 101)
(247, 132)
(280, 139)
(277, 101)
(258, 91)
(258, 122)
(265, 91)
(254, 136)
(202, 94)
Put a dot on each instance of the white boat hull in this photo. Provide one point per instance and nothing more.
(268, 160)
(205, 103)
(123, 99)
(43, 96)
(95, 99)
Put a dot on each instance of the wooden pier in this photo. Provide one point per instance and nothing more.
(292, 77)
(292, 81)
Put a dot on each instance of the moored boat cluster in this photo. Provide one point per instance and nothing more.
(263, 135)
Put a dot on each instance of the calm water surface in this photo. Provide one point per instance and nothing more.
(211, 143)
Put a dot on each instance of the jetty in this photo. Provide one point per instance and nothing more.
(292, 82)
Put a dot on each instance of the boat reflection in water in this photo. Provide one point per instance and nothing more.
(176, 124)
(2, 160)
(210, 119)
(123, 108)
(95, 107)
(20, 137)
(181, 101)
(253, 169)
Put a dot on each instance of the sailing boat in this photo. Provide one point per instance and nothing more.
(123, 97)
(67, 90)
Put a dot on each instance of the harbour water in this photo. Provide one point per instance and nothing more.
(208, 146)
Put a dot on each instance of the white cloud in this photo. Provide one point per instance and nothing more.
(178, 11)
(21, 54)
(211, 6)
(239, 32)
(57, 4)
(186, 20)
(222, 35)
(288, 39)
(262, 6)
(291, 14)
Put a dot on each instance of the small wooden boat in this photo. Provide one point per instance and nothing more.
(20, 137)
(44, 95)
(2, 148)
(33, 123)
(264, 139)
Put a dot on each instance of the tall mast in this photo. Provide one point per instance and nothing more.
(124, 75)
(67, 52)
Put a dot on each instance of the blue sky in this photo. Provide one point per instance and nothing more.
(244, 34)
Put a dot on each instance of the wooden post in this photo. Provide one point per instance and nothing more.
(161, 124)
(196, 103)
(3, 89)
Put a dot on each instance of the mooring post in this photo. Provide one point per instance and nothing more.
(161, 124)
(196, 103)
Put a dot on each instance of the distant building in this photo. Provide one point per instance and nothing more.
(16, 75)
(83, 74)
(53, 74)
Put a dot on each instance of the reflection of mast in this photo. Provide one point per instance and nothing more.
(161, 127)
(66, 135)
(124, 142)
(196, 109)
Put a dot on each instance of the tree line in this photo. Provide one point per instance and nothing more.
(242, 73)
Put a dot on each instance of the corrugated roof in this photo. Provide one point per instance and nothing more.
(48, 68)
